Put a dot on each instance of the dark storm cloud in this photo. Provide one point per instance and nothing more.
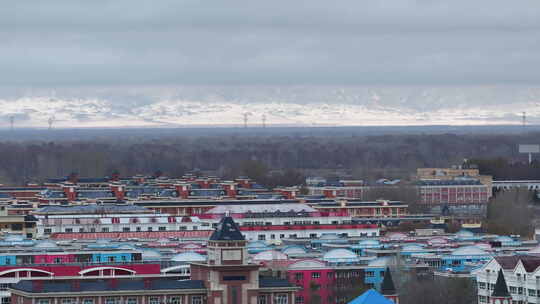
(269, 42)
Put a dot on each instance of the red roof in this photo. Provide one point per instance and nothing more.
(132, 235)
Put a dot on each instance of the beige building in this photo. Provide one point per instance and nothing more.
(455, 173)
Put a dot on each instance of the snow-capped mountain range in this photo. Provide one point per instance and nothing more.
(290, 106)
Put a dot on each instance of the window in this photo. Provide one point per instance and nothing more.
(105, 229)
(111, 259)
(162, 228)
(370, 274)
(131, 301)
(43, 301)
(282, 236)
(520, 290)
(261, 237)
(68, 301)
(47, 231)
(299, 276)
(299, 300)
(4, 286)
(81, 230)
(6, 300)
(195, 228)
(154, 300)
(114, 300)
(481, 285)
(126, 229)
(88, 301)
(482, 299)
(174, 300)
(272, 236)
(281, 299)
(330, 275)
(513, 289)
(312, 235)
(57, 260)
(234, 278)
(315, 275)
(196, 300)
(69, 230)
(138, 228)
(532, 292)
(92, 229)
(149, 229)
(262, 299)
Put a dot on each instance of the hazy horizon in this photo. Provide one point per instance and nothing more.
(185, 63)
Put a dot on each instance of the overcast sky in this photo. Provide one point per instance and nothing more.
(396, 42)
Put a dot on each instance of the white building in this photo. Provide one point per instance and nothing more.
(522, 274)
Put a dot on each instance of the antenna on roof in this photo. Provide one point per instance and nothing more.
(264, 121)
(11, 122)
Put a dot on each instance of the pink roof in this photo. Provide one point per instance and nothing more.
(131, 235)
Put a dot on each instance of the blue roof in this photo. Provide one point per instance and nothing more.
(371, 297)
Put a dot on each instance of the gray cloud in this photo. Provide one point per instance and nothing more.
(164, 42)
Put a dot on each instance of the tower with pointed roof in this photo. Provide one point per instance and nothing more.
(500, 293)
(388, 288)
(227, 245)
(228, 275)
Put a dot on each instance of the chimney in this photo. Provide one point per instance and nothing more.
(119, 191)
(182, 190)
(70, 192)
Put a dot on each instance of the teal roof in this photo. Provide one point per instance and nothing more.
(371, 297)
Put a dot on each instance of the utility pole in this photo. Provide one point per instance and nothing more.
(245, 120)
(264, 121)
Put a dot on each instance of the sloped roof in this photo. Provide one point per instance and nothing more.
(469, 250)
(293, 249)
(530, 263)
(340, 254)
(500, 290)
(188, 257)
(507, 262)
(269, 255)
(371, 297)
(287, 207)
(387, 286)
(227, 230)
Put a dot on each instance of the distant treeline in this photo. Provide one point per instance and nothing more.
(274, 159)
